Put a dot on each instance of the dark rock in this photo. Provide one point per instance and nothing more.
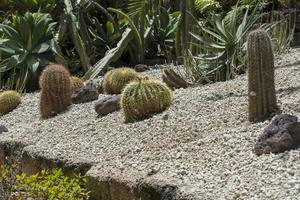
(3, 129)
(282, 134)
(108, 104)
(141, 68)
(85, 94)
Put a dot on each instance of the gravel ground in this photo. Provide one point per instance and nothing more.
(202, 143)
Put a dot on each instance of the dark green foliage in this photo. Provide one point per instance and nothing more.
(45, 185)
(25, 48)
(260, 63)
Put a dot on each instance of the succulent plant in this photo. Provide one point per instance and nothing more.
(261, 87)
(173, 80)
(56, 91)
(9, 100)
(115, 80)
(143, 98)
(76, 83)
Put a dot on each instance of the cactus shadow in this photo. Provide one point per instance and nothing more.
(288, 91)
(288, 65)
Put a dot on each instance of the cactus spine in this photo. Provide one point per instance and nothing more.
(56, 91)
(142, 98)
(9, 100)
(261, 87)
(115, 80)
(76, 83)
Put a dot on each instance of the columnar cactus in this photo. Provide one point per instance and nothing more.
(9, 100)
(115, 80)
(56, 91)
(143, 98)
(76, 83)
(261, 87)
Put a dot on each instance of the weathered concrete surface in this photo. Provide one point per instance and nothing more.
(103, 184)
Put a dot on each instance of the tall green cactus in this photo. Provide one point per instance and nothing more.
(56, 91)
(261, 87)
(143, 98)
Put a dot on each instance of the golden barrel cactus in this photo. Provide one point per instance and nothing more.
(76, 83)
(9, 100)
(56, 90)
(143, 98)
(116, 79)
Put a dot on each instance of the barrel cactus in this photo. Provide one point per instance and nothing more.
(9, 100)
(56, 90)
(261, 87)
(76, 83)
(143, 98)
(115, 80)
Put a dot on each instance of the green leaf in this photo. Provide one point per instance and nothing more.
(110, 27)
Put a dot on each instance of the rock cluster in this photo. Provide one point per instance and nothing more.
(107, 104)
(282, 134)
(85, 94)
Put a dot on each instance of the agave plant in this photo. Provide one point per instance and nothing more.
(25, 48)
(221, 43)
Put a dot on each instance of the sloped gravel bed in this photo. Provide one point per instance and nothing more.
(202, 143)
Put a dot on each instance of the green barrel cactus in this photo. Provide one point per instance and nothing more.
(116, 79)
(9, 100)
(143, 98)
(261, 86)
(56, 90)
(76, 83)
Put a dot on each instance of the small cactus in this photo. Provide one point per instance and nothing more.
(56, 91)
(115, 80)
(142, 98)
(9, 100)
(76, 83)
(261, 87)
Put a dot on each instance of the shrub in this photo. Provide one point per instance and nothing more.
(46, 185)
(52, 185)
(25, 48)
(220, 46)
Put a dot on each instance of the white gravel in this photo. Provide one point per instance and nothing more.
(202, 143)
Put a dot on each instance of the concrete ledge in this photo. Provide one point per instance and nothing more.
(101, 188)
